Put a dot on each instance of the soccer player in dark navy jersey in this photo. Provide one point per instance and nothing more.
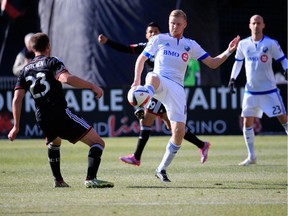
(155, 107)
(43, 78)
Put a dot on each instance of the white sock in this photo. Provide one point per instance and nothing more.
(171, 150)
(150, 89)
(249, 137)
(285, 127)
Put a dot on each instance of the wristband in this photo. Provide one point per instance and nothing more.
(227, 53)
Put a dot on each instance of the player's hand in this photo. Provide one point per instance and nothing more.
(102, 39)
(13, 133)
(231, 86)
(98, 91)
(233, 44)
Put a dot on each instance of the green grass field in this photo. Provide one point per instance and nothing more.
(219, 187)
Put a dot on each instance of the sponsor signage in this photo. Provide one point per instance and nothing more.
(210, 111)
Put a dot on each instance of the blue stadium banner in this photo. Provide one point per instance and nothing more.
(211, 111)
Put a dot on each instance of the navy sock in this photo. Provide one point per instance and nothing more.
(54, 161)
(94, 159)
(143, 138)
(190, 137)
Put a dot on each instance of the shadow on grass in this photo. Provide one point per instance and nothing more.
(262, 186)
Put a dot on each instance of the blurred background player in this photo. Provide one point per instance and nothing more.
(155, 108)
(261, 93)
(192, 75)
(23, 57)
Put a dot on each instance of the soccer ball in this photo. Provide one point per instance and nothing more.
(138, 96)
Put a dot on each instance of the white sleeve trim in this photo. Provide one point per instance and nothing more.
(284, 63)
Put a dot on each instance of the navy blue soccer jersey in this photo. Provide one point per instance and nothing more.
(39, 77)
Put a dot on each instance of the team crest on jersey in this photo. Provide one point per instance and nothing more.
(264, 58)
(185, 57)
(265, 49)
(187, 48)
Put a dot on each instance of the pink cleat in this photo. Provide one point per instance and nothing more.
(204, 152)
(130, 159)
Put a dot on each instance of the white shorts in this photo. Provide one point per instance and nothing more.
(255, 104)
(173, 97)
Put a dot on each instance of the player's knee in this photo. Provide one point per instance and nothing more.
(148, 120)
(178, 133)
(152, 79)
(56, 142)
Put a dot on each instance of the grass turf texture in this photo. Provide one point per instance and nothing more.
(219, 187)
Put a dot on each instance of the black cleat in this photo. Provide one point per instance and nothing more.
(139, 113)
(162, 176)
(60, 184)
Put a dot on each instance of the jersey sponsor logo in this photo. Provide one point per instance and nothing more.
(264, 58)
(171, 53)
(252, 58)
(185, 57)
(265, 49)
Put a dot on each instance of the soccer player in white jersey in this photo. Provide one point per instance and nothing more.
(261, 93)
(172, 52)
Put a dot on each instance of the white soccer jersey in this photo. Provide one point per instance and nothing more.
(172, 55)
(258, 62)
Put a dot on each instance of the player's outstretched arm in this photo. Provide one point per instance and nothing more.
(16, 110)
(218, 60)
(77, 82)
(102, 39)
(139, 66)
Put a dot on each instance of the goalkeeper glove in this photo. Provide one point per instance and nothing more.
(231, 86)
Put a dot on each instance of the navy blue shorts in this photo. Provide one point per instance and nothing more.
(65, 125)
(156, 107)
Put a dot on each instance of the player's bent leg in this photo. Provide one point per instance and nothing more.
(146, 123)
(97, 145)
(139, 113)
(166, 121)
(148, 119)
(152, 79)
(92, 137)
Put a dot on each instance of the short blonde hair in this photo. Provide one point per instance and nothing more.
(178, 13)
(28, 37)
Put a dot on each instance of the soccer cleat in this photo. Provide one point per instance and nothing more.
(95, 183)
(204, 152)
(60, 184)
(130, 159)
(139, 113)
(247, 162)
(162, 175)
